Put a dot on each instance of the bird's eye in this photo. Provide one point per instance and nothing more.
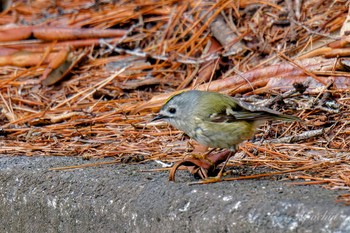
(172, 110)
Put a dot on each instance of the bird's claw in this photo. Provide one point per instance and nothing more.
(195, 166)
(203, 167)
(207, 180)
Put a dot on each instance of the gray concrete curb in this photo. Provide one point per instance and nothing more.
(118, 198)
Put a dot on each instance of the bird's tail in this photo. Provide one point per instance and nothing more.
(283, 117)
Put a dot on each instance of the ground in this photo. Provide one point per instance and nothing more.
(121, 198)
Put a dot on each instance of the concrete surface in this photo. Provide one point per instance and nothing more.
(119, 198)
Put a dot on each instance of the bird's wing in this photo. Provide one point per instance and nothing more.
(233, 114)
(247, 112)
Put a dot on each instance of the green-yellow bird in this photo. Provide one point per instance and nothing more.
(216, 120)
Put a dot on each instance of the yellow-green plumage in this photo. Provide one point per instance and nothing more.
(214, 119)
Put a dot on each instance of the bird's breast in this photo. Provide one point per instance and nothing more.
(223, 135)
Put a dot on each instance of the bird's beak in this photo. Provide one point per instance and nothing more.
(158, 117)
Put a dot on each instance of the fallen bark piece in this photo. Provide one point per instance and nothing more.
(15, 33)
(51, 34)
(26, 58)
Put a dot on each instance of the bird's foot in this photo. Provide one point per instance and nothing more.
(196, 166)
(217, 178)
(208, 180)
(203, 167)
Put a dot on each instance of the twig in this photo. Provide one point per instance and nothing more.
(300, 137)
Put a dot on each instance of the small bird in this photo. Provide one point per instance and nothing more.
(216, 120)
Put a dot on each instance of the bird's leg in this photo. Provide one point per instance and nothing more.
(219, 158)
(205, 155)
(202, 166)
(197, 164)
(194, 165)
(218, 177)
(220, 174)
(215, 160)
